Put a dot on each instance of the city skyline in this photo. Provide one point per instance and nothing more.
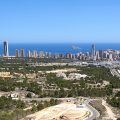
(93, 54)
(60, 21)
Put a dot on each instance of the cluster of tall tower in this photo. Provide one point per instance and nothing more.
(94, 54)
(19, 53)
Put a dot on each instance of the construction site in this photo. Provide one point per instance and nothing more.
(63, 111)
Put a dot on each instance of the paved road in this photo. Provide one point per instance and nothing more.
(95, 113)
(45, 99)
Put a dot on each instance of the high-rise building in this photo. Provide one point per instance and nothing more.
(46, 54)
(29, 53)
(101, 54)
(22, 54)
(17, 53)
(41, 54)
(49, 55)
(5, 45)
(93, 52)
(35, 55)
(69, 56)
(110, 56)
(97, 55)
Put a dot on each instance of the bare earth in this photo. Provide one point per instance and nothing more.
(64, 111)
(62, 70)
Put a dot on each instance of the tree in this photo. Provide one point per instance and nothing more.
(29, 95)
(20, 104)
(40, 106)
(34, 108)
(52, 102)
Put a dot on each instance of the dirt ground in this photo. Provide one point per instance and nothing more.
(64, 111)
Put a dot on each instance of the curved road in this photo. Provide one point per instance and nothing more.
(94, 112)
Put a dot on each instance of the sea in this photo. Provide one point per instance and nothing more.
(56, 48)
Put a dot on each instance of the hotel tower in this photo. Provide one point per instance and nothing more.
(5, 48)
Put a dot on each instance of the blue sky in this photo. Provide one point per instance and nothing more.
(60, 21)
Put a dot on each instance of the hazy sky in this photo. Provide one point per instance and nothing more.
(60, 20)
